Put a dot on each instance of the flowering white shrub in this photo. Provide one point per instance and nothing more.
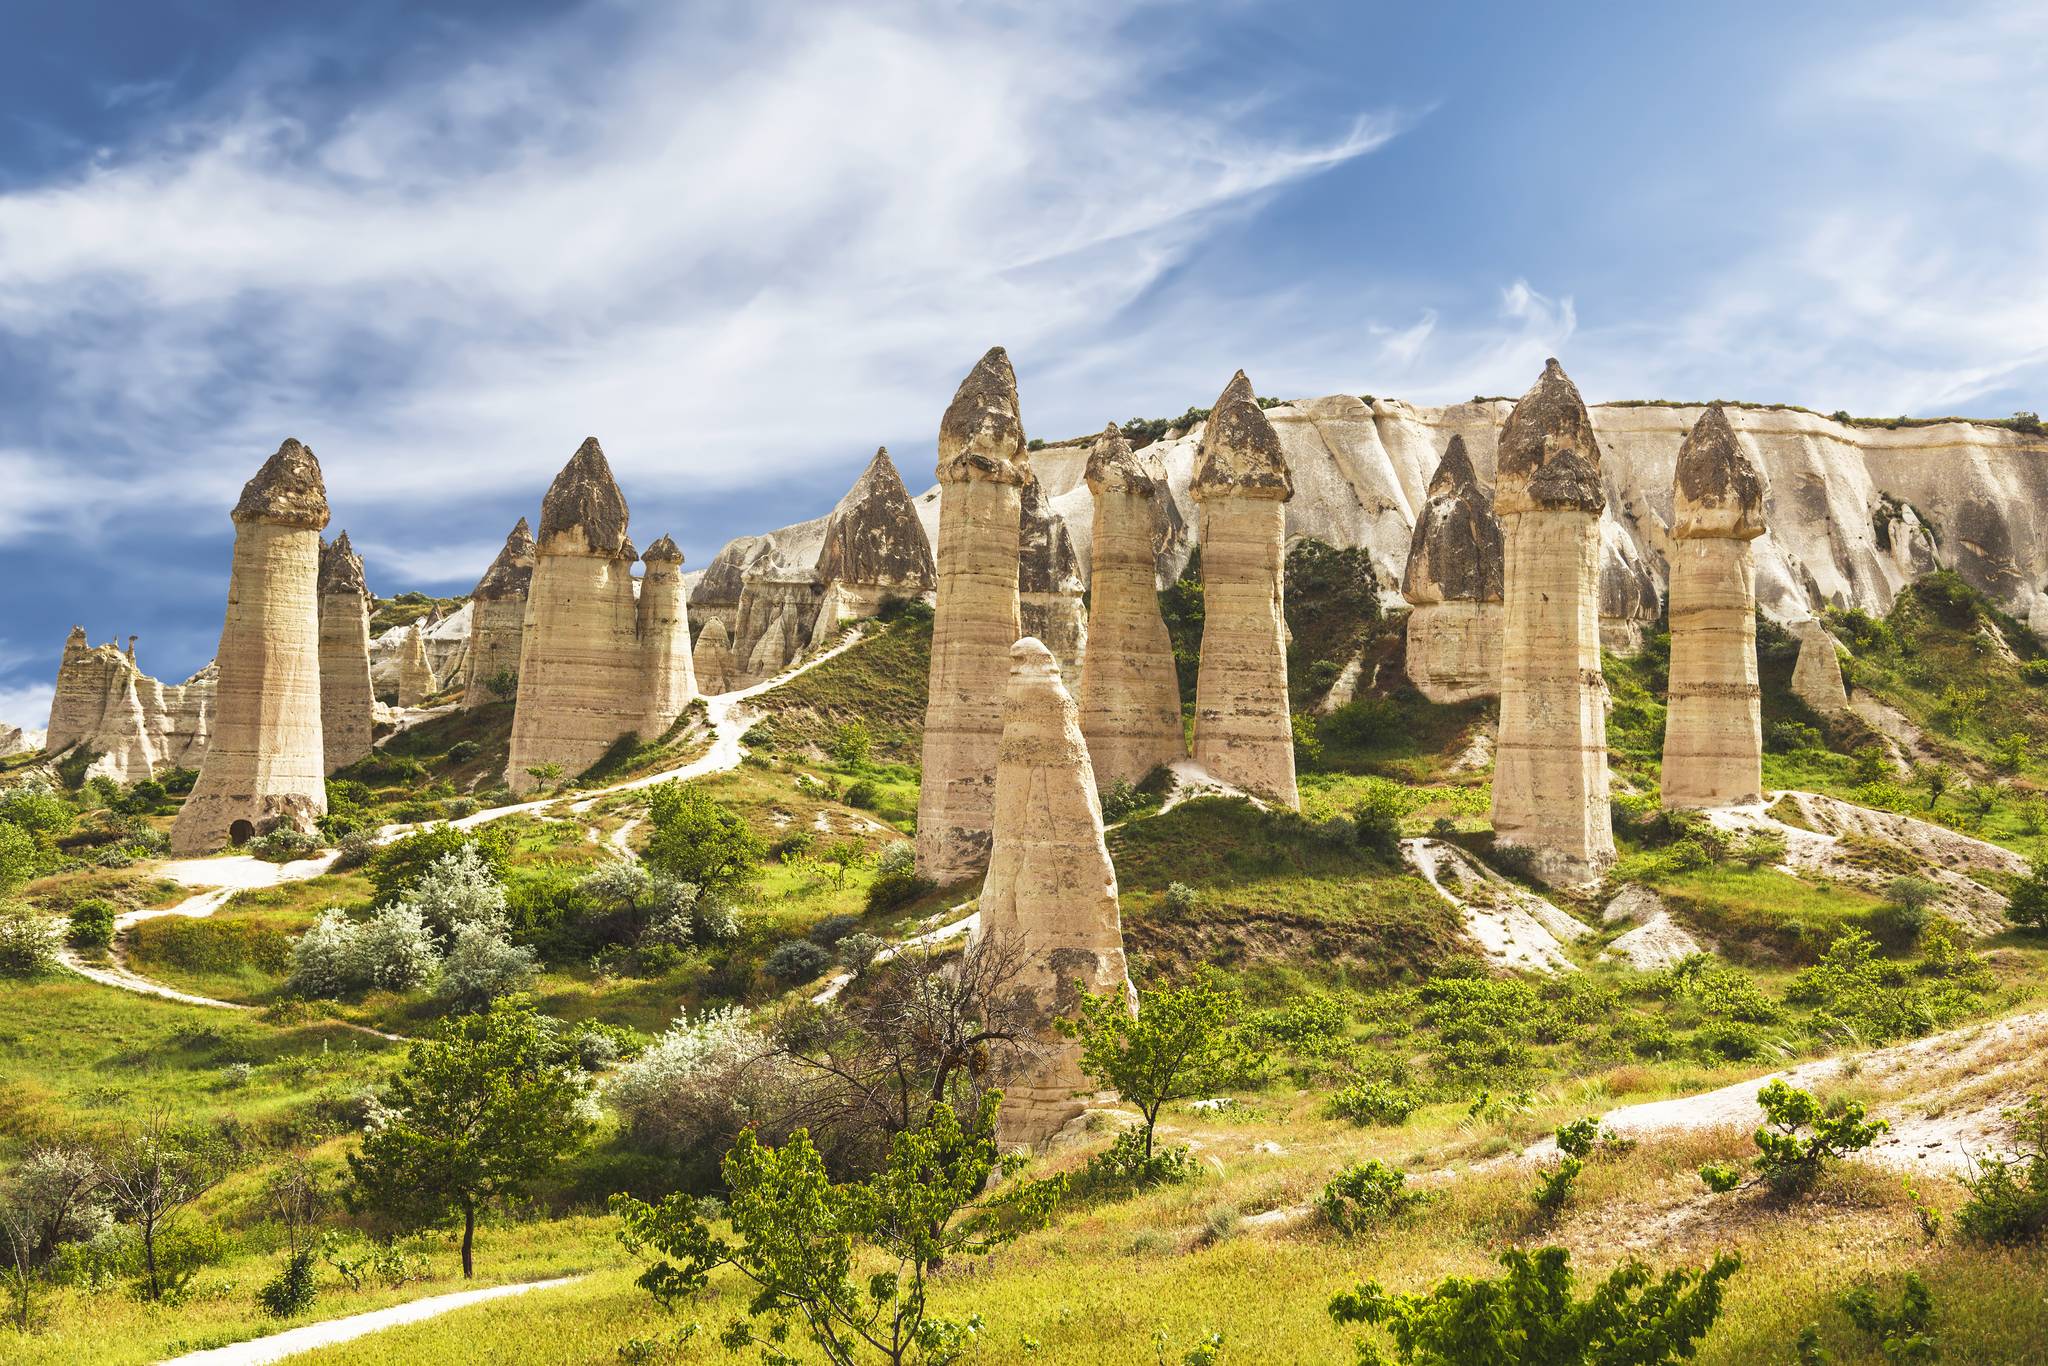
(393, 950)
(481, 966)
(700, 1083)
(29, 940)
(460, 889)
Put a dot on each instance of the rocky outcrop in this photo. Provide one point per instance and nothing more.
(1656, 941)
(497, 616)
(1243, 733)
(664, 630)
(1453, 586)
(1713, 734)
(265, 766)
(445, 636)
(874, 548)
(1817, 676)
(713, 661)
(17, 740)
(416, 681)
(580, 673)
(1130, 694)
(982, 474)
(1512, 926)
(1050, 591)
(1550, 766)
(347, 702)
(716, 594)
(1051, 896)
(137, 727)
(779, 610)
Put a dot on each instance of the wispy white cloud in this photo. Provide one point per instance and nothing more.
(26, 706)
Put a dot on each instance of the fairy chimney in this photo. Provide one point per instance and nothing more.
(416, 681)
(1550, 770)
(713, 659)
(1244, 735)
(1130, 694)
(346, 697)
(497, 618)
(1817, 676)
(580, 677)
(1453, 586)
(1050, 898)
(981, 480)
(1049, 585)
(1713, 731)
(664, 625)
(875, 549)
(265, 766)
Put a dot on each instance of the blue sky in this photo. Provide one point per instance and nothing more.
(743, 244)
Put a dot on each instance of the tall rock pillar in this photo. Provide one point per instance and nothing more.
(1244, 735)
(346, 698)
(1816, 677)
(1051, 897)
(265, 766)
(1130, 695)
(664, 626)
(416, 681)
(717, 672)
(579, 651)
(981, 480)
(1550, 769)
(497, 618)
(1453, 586)
(1713, 732)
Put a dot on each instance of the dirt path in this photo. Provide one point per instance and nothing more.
(836, 983)
(307, 1337)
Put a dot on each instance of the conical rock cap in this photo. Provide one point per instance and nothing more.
(982, 434)
(288, 491)
(1549, 457)
(1717, 489)
(1240, 453)
(586, 496)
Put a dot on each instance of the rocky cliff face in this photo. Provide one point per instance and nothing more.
(139, 727)
(497, 617)
(1049, 583)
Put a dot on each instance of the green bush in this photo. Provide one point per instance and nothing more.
(1902, 1333)
(292, 1290)
(863, 795)
(799, 960)
(1372, 1102)
(1125, 1166)
(92, 924)
(2008, 1204)
(892, 889)
(1180, 899)
(698, 841)
(1376, 822)
(1364, 1194)
(1790, 1163)
(20, 856)
(28, 940)
(284, 845)
(1308, 746)
(2027, 905)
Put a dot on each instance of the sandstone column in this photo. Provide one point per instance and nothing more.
(1453, 586)
(1051, 893)
(1243, 733)
(1550, 770)
(264, 766)
(346, 698)
(1130, 695)
(981, 478)
(1714, 729)
(497, 616)
(580, 679)
(713, 660)
(664, 626)
(1817, 676)
(1049, 586)
(416, 681)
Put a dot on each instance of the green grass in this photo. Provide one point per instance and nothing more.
(880, 682)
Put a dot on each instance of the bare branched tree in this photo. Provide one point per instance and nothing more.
(295, 1198)
(152, 1174)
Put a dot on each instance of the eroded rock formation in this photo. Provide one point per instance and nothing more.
(1817, 676)
(779, 609)
(1050, 590)
(874, 549)
(716, 594)
(664, 629)
(416, 681)
(1129, 695)
(1453, 586)
(1051, 896)
(1550, 769)
(713, 660)
(347, 702)
(1713, 734)
(497, 617)
(265, 766)
(136, 726)
(1243, 733)
(982, 474)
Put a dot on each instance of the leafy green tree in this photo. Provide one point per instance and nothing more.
(92, 924)
(797, 1238)
(1530, 1316)
(396, 867)
(503, 685)
(1936, 779)
(19, 856)
(852, 744)
(1182, 1042)
(1376, 822)
(1902, 1333)
(1791, 1163)
(478, 1113)
(699, 841)
(2027, 905)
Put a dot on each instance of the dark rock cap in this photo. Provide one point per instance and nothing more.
(1716, 489)
(1549, 457)
(586, 495)
(663, 551)
(1456, 554)
(1240, 452)
(341, 569)
(287, 491)
(873, 535)
(1046, 562)
(982, 434)
(1113, 467)
(511, 574)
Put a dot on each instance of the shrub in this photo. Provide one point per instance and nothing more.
(459, 889)
(2008, 1204)
(1791, 1164)
(862, 795)
(284, 845)
(20, 856)
(292, 1290)
(481, 967)
(1121, 801)
(28, 940)
(1364, 1194)
(1902, 1333)
(857, 952)
(1130, 1164)
(393, 950)
(799, 960)
(354, 850)
(92, 924)
(851, 744)
(397, 866)
(828, 932)
(1372, 1102)
(1531, 1314)
(1308, 746)
(890, 890)
(1180, 899)
(503, 684)
(1376, 822)
(2027, 906)
(699, 1084)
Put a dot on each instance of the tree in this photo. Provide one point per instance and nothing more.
(19, 856)
(477, 1113)
(797, 1237)
(399, 865)
(1530, 1315)
(92, 924)
(696, 840)
(49, 1198)
(503, 685)
(1936, 779)
(2027, 906)
(1791, 1164)
(151, 1176)
(1181, 1043)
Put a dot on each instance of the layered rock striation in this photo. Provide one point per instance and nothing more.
(1453, 586)
(347, 701)
(416, 681)
(1129, 694)
(1243, 733)
(1050, 589)
(982, 473)
(133, 725)
(497, 618)
(1713, 732)
(664, 631)
(1550, 767)
(265, 766)
(1051, 896)
(780, 606)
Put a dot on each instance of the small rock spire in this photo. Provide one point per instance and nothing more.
(1113, 467)
(1717, 489)
(663, 551)
(341, 569)
(1240, 452)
